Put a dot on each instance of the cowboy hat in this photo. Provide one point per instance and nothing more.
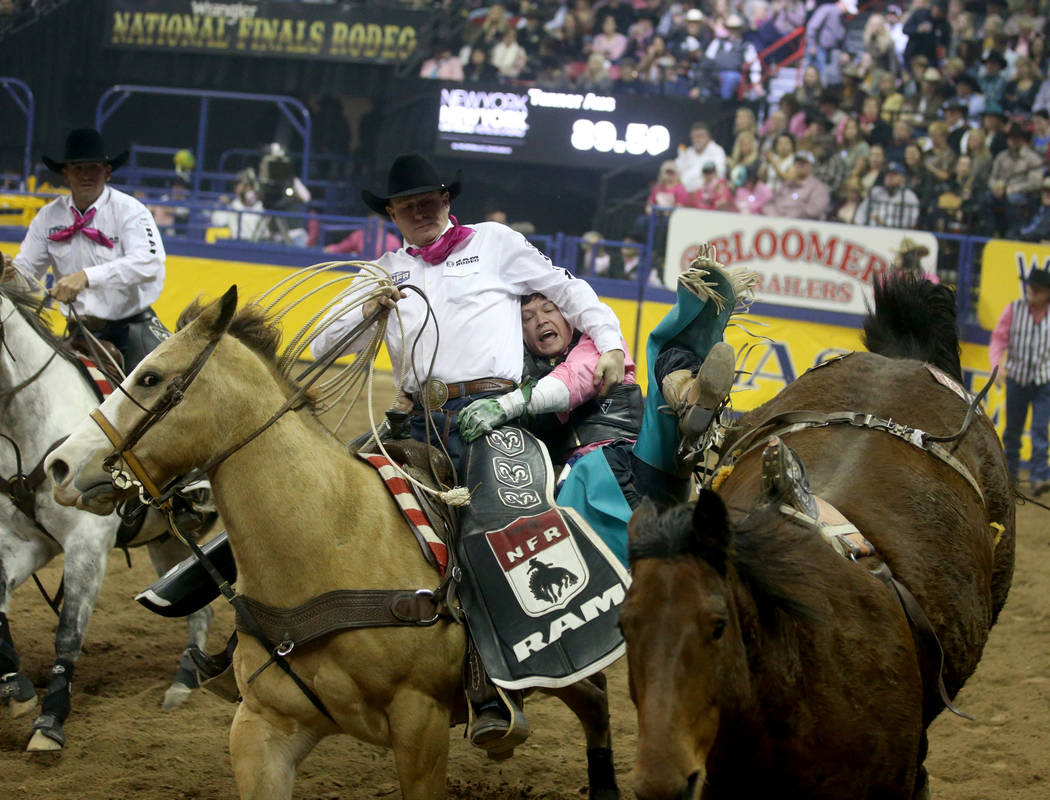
(909, 245)
(84, 145)
(410, 174)
(1039, 279)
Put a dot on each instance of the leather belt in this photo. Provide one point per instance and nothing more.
(97, 323)
(434, 393)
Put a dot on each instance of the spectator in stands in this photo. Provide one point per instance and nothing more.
(173, 219)
(809, 91)
(878, 43)
(968, 92)
(959, 197)
(246, 199)
(640, 36)
(610, 43)
(955, 120)
(992, 79)
(745, 150)
(779, 161)
(896, 27)
(854, 146)
(975, 145)
(907, 259)
(443, 65)
(479, 69)
(493, 26)
(1041, 133)
(828, 108)
(623, 12)
(668, 191)
(1038, 53)
(728, 54)
(826, 37)
(596, 259)
(568, 39)
(1020, 92)
(993, 122)
(750, 195)
(872, 127)
(890, 100)
(870, 173)
(595, 77)
(853, 193)
(911, 85)
(916, 176)
(830, 167)
(802, 196)
(891, 205)
(776, 123)
(508, 57)
(925, 107)
(899, 141)
(1017, 174)
(963, 28)
(651, 65)
(702, 149)
(713, 193)
(692, 39)
(851, 93)
(629, 81)
(368, 242)
(928, 32)
(940, 160)
(531, 34)
(1038, 228)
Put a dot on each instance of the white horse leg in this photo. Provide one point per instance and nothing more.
(264, 757)
(87, 547)
(166, 553)
(20, 556)
(419, 736)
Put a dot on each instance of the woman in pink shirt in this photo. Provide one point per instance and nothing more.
(668, 191)
(713, 192)
(751, 195)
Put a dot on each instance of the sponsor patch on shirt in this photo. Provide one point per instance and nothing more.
(462, 266)
(399, 277)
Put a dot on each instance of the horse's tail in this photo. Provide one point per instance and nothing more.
(914, 318)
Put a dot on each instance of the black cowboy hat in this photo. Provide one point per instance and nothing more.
(1039, 279)
(410, 174)
(85, 145)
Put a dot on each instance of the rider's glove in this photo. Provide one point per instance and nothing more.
(482, 416)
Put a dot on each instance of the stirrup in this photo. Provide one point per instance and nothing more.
(498, 733)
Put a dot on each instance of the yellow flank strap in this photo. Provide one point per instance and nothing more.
(999, 531)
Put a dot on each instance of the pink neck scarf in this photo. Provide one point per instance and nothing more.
(439, 249)
(79, 225)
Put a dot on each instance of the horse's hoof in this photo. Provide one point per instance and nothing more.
(42, 743)
(177, 694)
(19, 708)
(605, 794)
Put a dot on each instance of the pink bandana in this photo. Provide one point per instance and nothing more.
(79, 225)
(438, 250)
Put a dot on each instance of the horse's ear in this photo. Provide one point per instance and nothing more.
(641, 519)
(711, 528)
(227, 308)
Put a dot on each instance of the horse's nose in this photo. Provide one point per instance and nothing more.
(688, 792)
(58, 471)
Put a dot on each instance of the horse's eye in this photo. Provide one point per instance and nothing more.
(149, 379)
(719, 629)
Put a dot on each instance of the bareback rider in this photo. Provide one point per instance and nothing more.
(474, 278)
(104, 248)
(619, 450)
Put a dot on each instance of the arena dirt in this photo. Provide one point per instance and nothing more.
(122, 745)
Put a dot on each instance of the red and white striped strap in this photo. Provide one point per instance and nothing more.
(409, 505)
(97, 375)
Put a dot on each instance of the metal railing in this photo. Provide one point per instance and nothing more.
(22, 96)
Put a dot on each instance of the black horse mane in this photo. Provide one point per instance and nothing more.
(775, 568)
(914, 318)
(31, 307)
(253, 327)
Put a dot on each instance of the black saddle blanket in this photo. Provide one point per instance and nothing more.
(541, 591)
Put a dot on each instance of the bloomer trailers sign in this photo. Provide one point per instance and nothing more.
(377, 34)
(825, 266)
(561, 128)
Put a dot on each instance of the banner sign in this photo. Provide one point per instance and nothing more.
(560, 128)
(826, 266)
(1005, 265)
(377, 34)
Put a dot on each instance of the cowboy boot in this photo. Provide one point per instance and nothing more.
(697, 399)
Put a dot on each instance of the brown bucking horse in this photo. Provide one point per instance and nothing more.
(762, 661)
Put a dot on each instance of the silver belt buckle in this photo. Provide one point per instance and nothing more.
(434, 394)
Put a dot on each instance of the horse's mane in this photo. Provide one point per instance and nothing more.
(31, 306)
(914, 318)
(254, 328)
(774, 567)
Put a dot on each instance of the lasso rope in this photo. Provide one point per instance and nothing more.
(352, 290)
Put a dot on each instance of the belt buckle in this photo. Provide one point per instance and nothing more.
(434, 394)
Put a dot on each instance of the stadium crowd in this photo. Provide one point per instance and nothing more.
(931, 115)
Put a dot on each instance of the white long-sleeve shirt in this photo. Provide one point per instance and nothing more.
(122, 280)
(691, 163)
(475, 295)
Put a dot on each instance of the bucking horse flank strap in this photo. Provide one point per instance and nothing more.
(784, 477)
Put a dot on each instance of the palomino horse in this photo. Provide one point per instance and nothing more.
(43, 395)
(304, 518)
(765, 664)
